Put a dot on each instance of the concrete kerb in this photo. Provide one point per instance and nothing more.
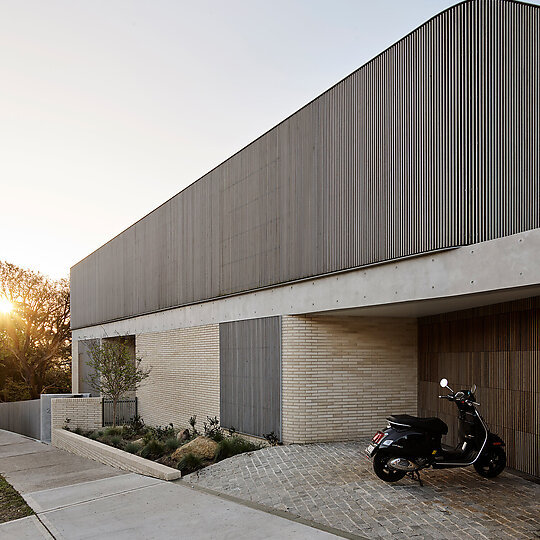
(82, 446)
(273, 511)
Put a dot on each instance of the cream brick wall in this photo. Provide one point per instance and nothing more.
(84, 413)
(343, 375)
(185, 375)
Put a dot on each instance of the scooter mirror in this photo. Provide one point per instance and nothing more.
(473, 388)
(444, 383)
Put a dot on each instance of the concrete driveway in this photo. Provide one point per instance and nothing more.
(75, 498)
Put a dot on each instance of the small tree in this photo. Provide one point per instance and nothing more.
(115, 371)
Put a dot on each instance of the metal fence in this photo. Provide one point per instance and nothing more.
(21, 417)
(126, 409)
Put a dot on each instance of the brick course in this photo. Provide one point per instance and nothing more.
(185, 375)
(343, 375)
(84, 413)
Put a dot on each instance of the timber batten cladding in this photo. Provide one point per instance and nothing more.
(432, 144)
(498, 348)
(250, 376)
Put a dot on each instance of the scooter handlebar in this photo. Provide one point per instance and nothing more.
(452, 398)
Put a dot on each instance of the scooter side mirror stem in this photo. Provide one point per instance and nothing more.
(444, 384)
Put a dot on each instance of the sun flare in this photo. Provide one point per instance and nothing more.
(5, 306)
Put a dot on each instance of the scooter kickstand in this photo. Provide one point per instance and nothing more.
(415, 475)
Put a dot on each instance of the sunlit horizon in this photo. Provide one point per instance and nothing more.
(6, 306)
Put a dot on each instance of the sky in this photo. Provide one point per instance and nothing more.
(109, 108)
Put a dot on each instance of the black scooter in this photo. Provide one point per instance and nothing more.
(410, 444)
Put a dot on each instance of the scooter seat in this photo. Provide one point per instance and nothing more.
(432, 425)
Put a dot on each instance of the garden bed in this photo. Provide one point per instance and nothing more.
(169, 449)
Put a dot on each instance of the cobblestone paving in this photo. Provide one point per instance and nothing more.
(334, 485)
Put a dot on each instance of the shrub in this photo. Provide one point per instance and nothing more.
(135, 427)
(94, 435)
(153, 449)
(136, 423)
(78, 431)
(171, 444)
(115, 440)
(272, 439)
(189, 463)
(113, 431)
(212, 429)
(218, 436)
(159, 433)
(192, 422)
(132, 448)
(233, 446)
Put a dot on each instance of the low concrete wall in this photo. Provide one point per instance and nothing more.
(84, 413)
(82, 446)
(21, 417)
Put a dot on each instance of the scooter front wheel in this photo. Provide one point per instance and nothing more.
(491, 463)
(384, 471)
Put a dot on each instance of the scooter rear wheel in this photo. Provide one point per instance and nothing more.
(491, 463)
(383, 471)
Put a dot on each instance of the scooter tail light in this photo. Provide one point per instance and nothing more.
(378, 437)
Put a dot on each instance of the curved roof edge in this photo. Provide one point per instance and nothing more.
(395, 44)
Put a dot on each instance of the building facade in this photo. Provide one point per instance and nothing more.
(385, 235)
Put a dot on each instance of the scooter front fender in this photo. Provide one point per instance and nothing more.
(494, 440)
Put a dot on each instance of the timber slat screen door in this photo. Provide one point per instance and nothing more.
(250, 375)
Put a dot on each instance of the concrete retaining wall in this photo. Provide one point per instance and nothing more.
(82, 446)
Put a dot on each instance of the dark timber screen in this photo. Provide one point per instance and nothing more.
(250, 375)
(126, 409)
(498, 348)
